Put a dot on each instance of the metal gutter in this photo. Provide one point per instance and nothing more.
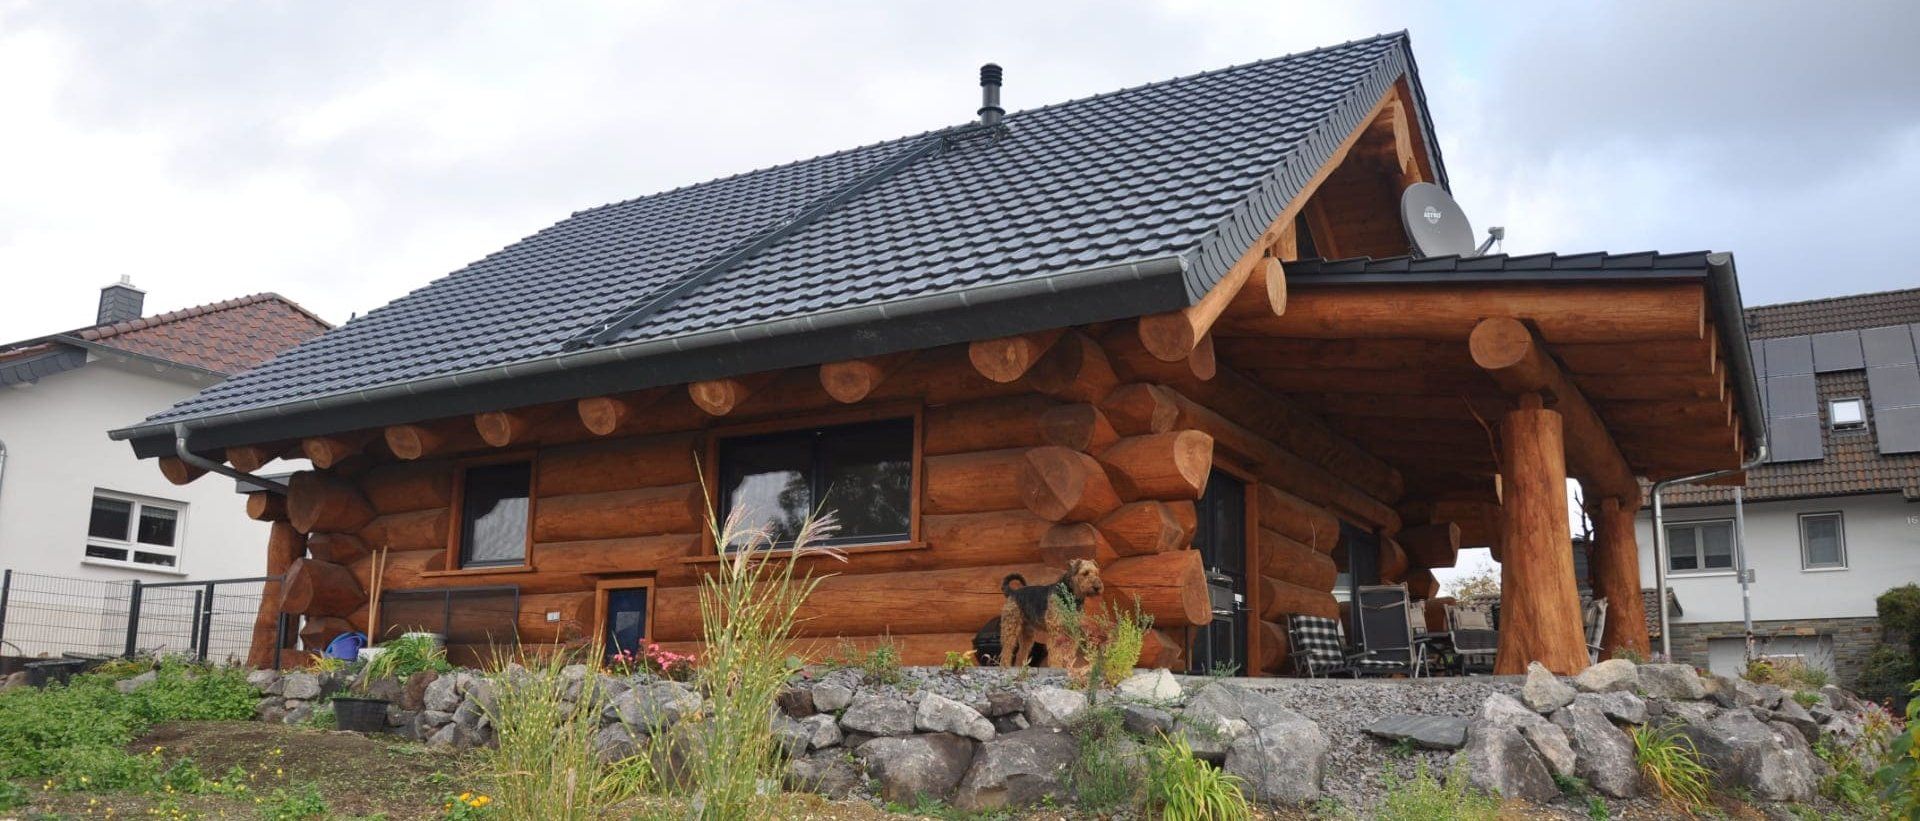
(180, 434)
(1036, 303)
(1660, 535)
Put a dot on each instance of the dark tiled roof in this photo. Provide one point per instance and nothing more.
(222, 337)
(1852, 464)
(1563, 267)
(1191, 170)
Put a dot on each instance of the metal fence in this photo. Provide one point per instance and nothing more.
(53, 615)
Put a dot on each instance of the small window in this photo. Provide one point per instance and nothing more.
(1823, 541)
(626, 620)
(133, 530)
(1847, 414)
(493, 514)
(1694, 547)
(862, 472)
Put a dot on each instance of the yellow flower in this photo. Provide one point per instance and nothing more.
(466, 796)
(482, 801)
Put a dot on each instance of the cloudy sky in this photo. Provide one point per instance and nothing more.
(344, 153)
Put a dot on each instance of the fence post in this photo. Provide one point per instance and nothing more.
(205, 627)
(6, 587)
(279, 638)
(133, 620)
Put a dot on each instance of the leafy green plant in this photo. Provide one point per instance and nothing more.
(1672, 766)
(1571, 786)
(957, 661)
(1126, 637)
(881, 665)
(303, 804)
(466, 806)
(1424, 798)
(1847, 783)
(327, 665)
(12, 795)
(1181, 787)
(77, 732)
(1597, 809)
(1806, 698)
(1884, 676)
(403, 657)
(1101, 776)
(1899, 779)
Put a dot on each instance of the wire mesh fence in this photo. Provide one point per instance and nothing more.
(51, 616)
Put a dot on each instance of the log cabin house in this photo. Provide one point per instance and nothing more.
(1175, 328)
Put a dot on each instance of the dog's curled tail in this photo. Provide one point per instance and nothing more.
(1006, 584)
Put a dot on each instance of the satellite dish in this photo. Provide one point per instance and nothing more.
(1436, 226)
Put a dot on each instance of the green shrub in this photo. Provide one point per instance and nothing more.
(882, 664)
(1899, 613)
(1672, 767)
(1884, 678)
(1181, 787)
(1899, 779)
(1424, 798)
(1848, 784)
(1101, 776)
(304, 804)
(12, 796)
(1126, 637)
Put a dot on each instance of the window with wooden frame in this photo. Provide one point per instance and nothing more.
(1700, 547)
(623, 613)
(864, 471)
(494, 503)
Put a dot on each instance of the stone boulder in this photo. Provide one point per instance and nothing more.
(653, 706)
(1145, 720)
(830, 774)
(1051, 706)
(1609, 676)
(796, 702)
(1671, 681)
(1549, 742)
(413, 696)
(828, 697)
(917, 767)
(1499, 760)
(1018, 769)
(1621, 707)
(878, 713)
(1606, 755)
(939, 714)
(131, 684)
(1282, 760)
(1155, 686)
(1790, 712)
(616, 742)
(1742, 751)
(1543, 691)
(263, 680)
(306, 687)
(1426, 732)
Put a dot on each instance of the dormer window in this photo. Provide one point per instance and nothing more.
(1847, 414)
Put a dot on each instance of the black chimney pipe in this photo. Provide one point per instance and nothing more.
(990, 110)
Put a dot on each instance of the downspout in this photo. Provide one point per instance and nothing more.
(180, 434)
(1660, 537)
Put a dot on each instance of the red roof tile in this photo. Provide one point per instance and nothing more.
(224, 337)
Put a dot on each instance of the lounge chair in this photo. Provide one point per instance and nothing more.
(1386, 633)
(1319, 646)
(1475, 642)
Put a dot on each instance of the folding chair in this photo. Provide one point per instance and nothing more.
(1319, 646)
(1386, 633)
(1595, 616)
(1475, 642)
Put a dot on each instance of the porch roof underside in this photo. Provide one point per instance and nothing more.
(1380, 349)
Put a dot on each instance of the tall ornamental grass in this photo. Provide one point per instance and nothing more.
(544, 765)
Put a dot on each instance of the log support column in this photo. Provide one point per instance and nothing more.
(1616, 578)
(1540, 604)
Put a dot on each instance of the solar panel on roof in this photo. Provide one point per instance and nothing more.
(1890, 345)
(1893, 386)
(1789, 355)
(1792, 396)
(1898, 430)
(1837, 351)
(1795, 439)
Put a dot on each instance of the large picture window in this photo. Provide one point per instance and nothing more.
(494, 506)
(1823, 541)
(134, 530)
(1700, 547)
(862, 472)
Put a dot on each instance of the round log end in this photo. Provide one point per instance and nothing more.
(1003, 360)
(717, 397)
(602, 415)
(406, 441)
(1500, 342)
(849, 382)
(497, 428)
(1058, 484)
(178, 471)
(1276, 282)
(1170, 337)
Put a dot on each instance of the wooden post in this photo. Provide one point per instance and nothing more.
(1616, 577)
(1540, 605)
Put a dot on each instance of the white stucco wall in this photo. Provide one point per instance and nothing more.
(1882, 544)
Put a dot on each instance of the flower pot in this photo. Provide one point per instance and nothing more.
(360, 715)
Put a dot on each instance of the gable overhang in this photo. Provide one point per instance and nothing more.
(1073, 298)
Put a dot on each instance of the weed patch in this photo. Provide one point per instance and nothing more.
(1672, 766)
(1181, 787)
(1424, 798)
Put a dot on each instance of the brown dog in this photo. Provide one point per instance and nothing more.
(1029, 617)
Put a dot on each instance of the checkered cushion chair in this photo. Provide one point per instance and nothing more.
(1319, 646)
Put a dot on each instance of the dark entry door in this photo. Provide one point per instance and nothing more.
(1221, 538)
(1363, 567)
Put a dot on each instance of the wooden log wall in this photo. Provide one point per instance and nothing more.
(1054, 450)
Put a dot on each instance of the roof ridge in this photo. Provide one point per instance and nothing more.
(106, 331)
(1402, 34)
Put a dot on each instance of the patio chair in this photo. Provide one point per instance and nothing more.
(1386, 633)
(1595, 617)
(1319, 646)
(1475, 642)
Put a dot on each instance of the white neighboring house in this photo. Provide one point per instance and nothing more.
(1831, 519)
(76, 505)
